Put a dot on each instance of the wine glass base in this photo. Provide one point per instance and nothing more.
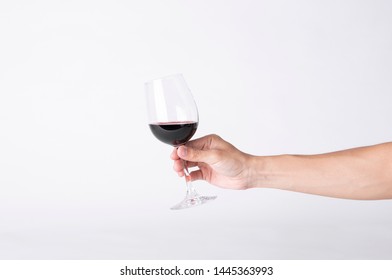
(189, 202)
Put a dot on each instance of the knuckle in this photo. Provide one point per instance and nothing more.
(214, 137)
(215, 140)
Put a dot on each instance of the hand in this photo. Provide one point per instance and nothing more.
(218, 162)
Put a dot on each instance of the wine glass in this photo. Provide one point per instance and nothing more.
(173, 119)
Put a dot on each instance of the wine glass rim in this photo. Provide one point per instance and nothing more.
(164, 77)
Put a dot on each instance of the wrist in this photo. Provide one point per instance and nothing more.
(268, 172)
(258, 174)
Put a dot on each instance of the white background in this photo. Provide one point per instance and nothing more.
(82, 177)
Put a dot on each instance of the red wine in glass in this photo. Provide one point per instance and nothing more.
(174, 133)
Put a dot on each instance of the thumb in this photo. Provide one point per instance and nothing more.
(195, 155)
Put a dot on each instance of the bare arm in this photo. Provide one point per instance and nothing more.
(359, 173)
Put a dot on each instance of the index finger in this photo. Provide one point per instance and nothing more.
(174, 155)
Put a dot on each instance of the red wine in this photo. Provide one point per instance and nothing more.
(174, 133)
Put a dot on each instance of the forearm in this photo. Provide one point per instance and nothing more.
(360, 173)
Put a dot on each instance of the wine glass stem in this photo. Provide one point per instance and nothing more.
(190, 190)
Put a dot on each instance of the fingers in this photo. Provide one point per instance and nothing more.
(178, 165)
(195, 175)
(207, 142)
(194, 155)
(203, 151)
(174, 155)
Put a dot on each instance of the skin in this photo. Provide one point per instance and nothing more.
(358, 173)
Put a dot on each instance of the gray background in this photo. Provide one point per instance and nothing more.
(82, 177)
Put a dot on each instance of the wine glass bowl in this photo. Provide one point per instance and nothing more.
(173, 119)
